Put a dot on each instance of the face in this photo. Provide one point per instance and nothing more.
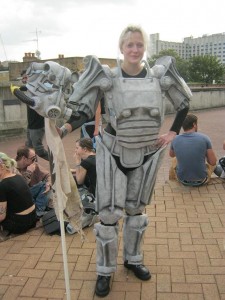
(24, 162)
(24, 79)
(133, 48)
(79, 151)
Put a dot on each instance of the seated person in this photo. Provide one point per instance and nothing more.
(85, 168)
(85, 177)
(194, 159)
(38, 179)
(220, 168)
(17, 210)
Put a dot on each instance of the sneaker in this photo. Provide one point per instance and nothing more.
(102, 287)
(140, 271)
(89, 219)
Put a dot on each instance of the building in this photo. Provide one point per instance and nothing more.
(13, 112)
(74, 64)
(207, 44)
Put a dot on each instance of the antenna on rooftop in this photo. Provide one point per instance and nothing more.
(37, 52)
(3, 47)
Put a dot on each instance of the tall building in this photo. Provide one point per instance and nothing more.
(207, 44)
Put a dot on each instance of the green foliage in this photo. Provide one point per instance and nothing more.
(205, 69)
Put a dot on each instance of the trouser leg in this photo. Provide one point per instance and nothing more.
(28, 142)
(107, 248)
(36, 136)
(133, 233)
(39, 197)
(172, 171)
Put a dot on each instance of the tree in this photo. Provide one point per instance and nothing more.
(205, 69)
(181, 64)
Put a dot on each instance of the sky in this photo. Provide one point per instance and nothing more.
(92, 27)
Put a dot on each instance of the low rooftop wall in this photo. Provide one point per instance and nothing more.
(13, 119)
(204, 98)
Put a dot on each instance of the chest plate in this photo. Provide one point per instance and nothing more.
(135, 108)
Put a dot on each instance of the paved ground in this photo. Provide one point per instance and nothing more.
(184, 245)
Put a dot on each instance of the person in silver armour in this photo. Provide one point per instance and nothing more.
(130, 152)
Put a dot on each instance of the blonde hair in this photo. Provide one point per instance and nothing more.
(130, 29)
(9, 163)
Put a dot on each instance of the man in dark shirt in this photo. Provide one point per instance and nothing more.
(35, 128)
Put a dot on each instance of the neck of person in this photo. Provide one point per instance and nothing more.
(20, 169)
(6, 174)
(86, 154)
(190, 130)
(132, 69)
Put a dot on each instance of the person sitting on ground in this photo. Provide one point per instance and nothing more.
(17, 210)
(85, 177)
(220, 168)
(194, 159)
(38, 179)
(85, 164)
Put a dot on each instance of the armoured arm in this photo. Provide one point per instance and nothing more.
(87, 92)
(179, 119)
(176, 90)
(73, 123)
(165, 139)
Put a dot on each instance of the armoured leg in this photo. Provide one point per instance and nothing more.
(133, 232)
(111, 187)
(141, 182)
(107, 248)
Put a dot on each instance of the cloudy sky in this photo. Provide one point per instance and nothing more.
(82, 27)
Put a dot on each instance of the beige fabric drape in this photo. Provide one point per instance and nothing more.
(65, 193)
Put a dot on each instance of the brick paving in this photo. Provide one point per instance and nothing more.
(184, 245)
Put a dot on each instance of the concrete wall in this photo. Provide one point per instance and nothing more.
(13, 116)
(13, 112)
(203, 98)
(4, 76)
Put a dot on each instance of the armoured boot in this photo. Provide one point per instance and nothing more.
(107, 249)
(133, 232)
